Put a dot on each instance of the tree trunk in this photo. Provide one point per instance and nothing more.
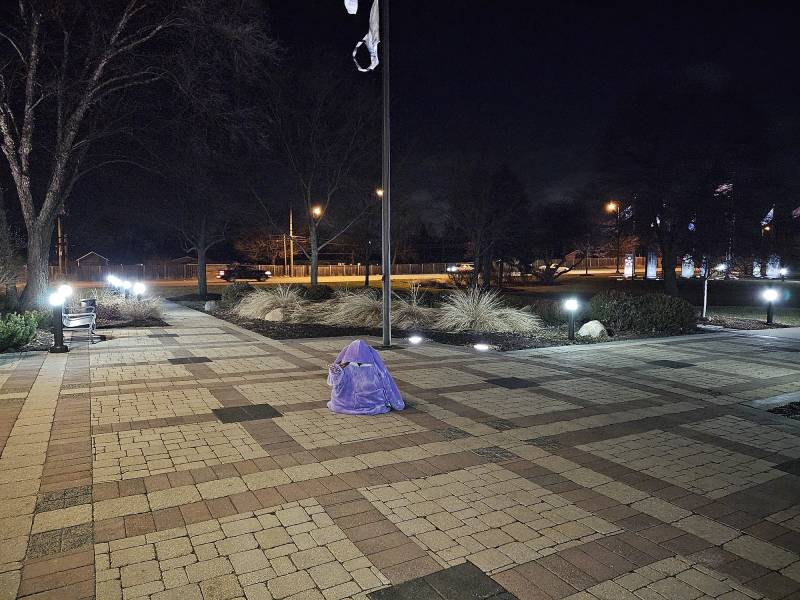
(668, 269)
(314, 243)
(12, 299)
(202, 281)
(37, 275)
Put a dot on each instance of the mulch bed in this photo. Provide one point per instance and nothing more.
(42, 341)
(791, 410)
(738, 323)
(551, 336)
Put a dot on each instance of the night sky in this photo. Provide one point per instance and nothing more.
(534, 85)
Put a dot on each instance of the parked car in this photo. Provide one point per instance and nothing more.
(235, 272)
(461, 268)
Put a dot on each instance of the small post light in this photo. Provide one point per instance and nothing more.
(415, 340)
(56, 300)
(784, 272)
(126, 286)
(113, 280)
(481, 347)
(571, 305)
(771, 296)
(138, 288)
(64, 290)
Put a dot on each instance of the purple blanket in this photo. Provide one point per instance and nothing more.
(361, 384)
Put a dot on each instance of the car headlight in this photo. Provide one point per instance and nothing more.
(268, 273)
(222, 272)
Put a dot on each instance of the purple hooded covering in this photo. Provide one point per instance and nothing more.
(361, 384)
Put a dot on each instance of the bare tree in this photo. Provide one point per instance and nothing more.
(61, 62)
(322, 125)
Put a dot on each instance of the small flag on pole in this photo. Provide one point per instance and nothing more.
(768, 218)
(373, 37)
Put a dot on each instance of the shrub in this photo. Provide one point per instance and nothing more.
(551, 312)
(113, 307)
(234, 293)
(409, 311)
(649, 313)
(360, 308)
(259, 303)
(17, 330)
(316, 293)
(481, 310)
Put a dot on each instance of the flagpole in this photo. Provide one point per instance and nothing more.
(386, 229)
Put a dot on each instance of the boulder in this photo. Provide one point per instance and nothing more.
(594, 330)
(276, 314)
(210, 306)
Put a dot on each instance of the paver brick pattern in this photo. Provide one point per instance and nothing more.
(701, 468)
(487, 515)
(640, 482)
(320, 427)
(143, 452)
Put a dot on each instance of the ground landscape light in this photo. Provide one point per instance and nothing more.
(415, 339)
(481, 347)
(571, 304)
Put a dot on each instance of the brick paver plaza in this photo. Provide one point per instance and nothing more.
(198, 461)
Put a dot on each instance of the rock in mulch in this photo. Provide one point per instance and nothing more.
(594, 330)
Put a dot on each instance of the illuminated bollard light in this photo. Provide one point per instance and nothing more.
(56, 300)
(571, 305)
(771, 295)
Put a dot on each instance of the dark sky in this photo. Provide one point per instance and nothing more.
(533, 85)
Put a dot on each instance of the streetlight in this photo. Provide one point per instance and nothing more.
(56, 300)
(379, 193)
(771, 296)
(316, 211)
(571, 305)
(614, 206)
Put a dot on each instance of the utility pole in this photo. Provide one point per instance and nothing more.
(291, 245)
(386, 248)
(285, 258)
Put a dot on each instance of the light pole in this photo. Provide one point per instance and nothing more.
(57, 300)
(571, 305)
(771, 296)
(614, 206)
(386, 227)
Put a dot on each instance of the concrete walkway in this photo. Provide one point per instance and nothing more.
(199, 461)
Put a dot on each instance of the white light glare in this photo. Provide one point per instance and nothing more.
(64, 290)
(114, 280)
(770, 295)
(139, 288)
(481, 347)
(56, 299)
(721, 267)
(784, 271)
(126, 285)
(571, 304)
(415, 339)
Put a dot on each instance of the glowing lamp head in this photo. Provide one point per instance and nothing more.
(316, 211)
(126, 285)
(64, 290)
(113, 280)
(481, 347)
(139, 288)
(56, 299)
(784, 271)
(268, 273)
(611, 206)
(379, 193)
(415, 339)
(571, 304)
(770, 295)
(721, 267)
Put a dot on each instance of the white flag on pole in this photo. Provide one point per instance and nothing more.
(373, 37)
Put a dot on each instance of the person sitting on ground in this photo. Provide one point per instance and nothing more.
(361, 384)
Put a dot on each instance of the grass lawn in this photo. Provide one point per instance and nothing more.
(783, 316)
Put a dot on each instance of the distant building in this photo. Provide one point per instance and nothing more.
(91, 259)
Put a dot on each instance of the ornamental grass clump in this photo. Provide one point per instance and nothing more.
(262, 304)
(474, 309)
(113, 307)
(410, 312)
(354, 308)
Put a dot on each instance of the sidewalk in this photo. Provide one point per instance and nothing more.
(199, 461)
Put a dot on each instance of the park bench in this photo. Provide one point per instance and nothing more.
(86, 317)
